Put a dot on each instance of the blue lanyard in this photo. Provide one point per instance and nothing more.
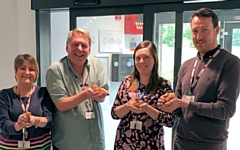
(141, 96)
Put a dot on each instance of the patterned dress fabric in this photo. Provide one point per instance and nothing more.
(151, 137)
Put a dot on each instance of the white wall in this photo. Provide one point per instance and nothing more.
(17, 34)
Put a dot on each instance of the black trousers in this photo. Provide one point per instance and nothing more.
(55, 148)
(177, 146)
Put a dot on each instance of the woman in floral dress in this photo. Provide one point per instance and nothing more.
(141, 125)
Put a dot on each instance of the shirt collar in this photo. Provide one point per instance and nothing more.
(208, 54)
(86, 64)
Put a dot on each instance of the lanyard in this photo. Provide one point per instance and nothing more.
(25, 134)
(141, 96)
(85, 85)
(194, 82)
(25, 109)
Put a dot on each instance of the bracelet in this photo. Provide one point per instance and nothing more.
(38, 118)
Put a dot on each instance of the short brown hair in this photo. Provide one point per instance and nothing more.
(206, 12)
(18, 61)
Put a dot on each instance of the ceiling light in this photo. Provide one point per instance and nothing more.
(201, 1)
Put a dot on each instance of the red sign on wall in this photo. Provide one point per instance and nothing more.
(132, 25)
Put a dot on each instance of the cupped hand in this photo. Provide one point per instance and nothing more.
(137, 108)
(98, 96)
(172, 105)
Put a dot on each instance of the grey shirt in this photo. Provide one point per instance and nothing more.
(204, 124)
(70, 128)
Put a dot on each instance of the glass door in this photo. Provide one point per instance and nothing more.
(164, 38)
(114, 38)
(231, 40)
(172, 26)
(231, 36)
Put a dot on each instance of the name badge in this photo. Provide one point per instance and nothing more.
(136, 125)
(188, 97)
(89, 115)
(23, 144)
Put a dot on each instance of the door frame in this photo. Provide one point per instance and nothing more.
(227, 39)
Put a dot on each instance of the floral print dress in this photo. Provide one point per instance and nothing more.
(151, 137)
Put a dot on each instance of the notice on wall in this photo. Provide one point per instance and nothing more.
(111, 41)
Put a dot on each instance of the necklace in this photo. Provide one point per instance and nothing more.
(18, 91)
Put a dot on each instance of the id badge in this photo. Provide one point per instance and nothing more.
(136, 125)
(89, 115)
(139, 125)
(133, 124)
(188, 97)
(23, 144)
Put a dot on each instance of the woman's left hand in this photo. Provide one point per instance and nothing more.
(140, 108)
(144, 107)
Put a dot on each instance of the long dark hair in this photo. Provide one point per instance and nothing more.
(154, 78)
